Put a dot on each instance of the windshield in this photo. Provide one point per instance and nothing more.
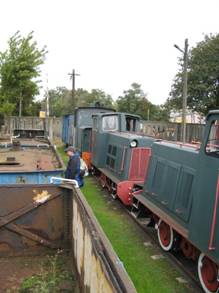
(110, 123)
(212, 147)
(130, 123)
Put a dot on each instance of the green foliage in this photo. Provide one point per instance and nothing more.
(85, 98)
(52, 274)
(60, 100)
(19, 70)
(135, 101)
(203, 78)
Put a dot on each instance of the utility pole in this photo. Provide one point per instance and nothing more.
(185, 89)
(185, 82)
(20, 106)
(47, 98)
(47, 122)
(72, 76)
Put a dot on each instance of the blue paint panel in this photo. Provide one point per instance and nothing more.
(40, 177)
(67, 129)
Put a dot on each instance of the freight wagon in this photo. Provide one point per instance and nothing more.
(28, 158)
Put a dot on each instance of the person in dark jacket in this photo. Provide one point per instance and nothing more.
(73, 167)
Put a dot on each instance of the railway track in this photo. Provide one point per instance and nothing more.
(185, 267)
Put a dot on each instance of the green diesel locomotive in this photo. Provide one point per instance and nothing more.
(175, 185)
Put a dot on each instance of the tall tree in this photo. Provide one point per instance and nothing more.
(19, 70)
(135, 101)
(85, 98)
(203, 78)
(60, 100)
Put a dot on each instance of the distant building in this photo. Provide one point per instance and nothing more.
(191, 117)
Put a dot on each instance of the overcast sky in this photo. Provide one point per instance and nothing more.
(111, 43)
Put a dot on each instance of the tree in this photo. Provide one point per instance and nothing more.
(19, 70)
(203, 78)
(135, 101)
(129, 102)
(60, 100)
(85, 98)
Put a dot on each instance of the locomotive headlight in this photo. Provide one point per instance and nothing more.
(133, 144)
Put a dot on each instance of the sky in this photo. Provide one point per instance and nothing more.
(111, 43)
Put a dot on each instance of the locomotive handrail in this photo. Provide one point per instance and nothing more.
(123, 159)
(71, 181)
(214, 218)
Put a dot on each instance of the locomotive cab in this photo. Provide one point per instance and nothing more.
(119, 153)
(121, 122)
(109, 123)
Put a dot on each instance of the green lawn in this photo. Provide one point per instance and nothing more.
(128, 242)
(62, 154)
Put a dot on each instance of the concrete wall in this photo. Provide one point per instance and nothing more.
(98, 267)
(52, 126)
(163, 130)
(172, 131)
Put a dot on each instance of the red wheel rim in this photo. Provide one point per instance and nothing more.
(165, 234)
(209, 271)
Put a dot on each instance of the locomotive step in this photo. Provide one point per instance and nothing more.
(135, 205)
(135, 214)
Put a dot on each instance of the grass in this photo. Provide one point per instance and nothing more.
(62, 153)
(128, 242)
(127, 239)
(52, 277)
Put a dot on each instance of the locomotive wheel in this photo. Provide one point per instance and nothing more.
(165, 235)
(208, 274)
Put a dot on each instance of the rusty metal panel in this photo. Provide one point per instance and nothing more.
(36, 216)
(97, 265)
(31, 216)
(140, 158)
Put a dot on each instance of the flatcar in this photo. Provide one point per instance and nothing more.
(28, 158)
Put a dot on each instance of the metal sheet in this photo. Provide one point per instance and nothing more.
(98, 266)
(31, 216)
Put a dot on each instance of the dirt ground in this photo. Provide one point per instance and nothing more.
(13, 270)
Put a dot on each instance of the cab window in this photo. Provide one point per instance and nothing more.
(130, 124)
(110, 123)
(212, 147)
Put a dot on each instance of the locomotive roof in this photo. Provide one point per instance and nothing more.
(91, 108)
(211, 113)
(101, 108)
(116, 113)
